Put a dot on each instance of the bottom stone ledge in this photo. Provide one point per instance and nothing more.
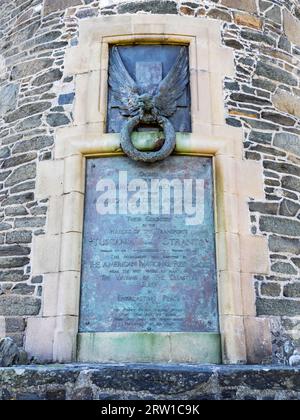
(149, 382)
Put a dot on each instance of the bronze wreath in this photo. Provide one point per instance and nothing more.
(167, 148)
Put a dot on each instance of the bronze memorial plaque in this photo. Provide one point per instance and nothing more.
(149, 246)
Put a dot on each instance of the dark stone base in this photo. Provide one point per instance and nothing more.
(149, 382)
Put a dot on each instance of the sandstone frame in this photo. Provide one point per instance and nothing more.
(57, 255)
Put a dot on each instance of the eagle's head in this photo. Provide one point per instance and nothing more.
(146, 102)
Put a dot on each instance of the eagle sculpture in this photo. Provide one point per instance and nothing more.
(148, 104)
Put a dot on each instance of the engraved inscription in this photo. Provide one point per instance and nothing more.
(149, 253)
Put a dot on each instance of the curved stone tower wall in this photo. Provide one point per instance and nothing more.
(263, 98)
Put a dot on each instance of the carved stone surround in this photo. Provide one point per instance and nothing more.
(57, 255)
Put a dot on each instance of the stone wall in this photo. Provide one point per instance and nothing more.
(142, 382)
(36, 99)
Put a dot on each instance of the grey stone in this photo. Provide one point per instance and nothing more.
(284, 44)
(233, 122)
(260, 137)
(296, 261)
(289, 208)
(18, 160)
(13, 305)
(23, 173)
(291, 183)
(86, 13)
(281, 244)
(280, 226)
(284, 268)
(37, 280)
(267, 150)
(49, 46)
(4, 152)
(264, 208)
(233, 43)
(14, 325)
(264, 84)
(219, 14)
(49, 77)
(13, 276)
(259, 37)
(18, 199)
(150, 382)
(26, 111)
(15, 211)
(260, 125)
(23, 289)
(292, 290)
(278, 307)
(13, 262)
(287, 141)
(29, 123)
(47, 37)
(274, 14)
(152, 6)
(282, 167)
(38, 211)
(4, 226)
(51, 6)
(57, 119)
(11, 250)
(278, 118)
(12, 139)
(242, 97)
(29, 68)
(25, 186)
(28, 222)
(19, 237)
(8, 98)
(9, 352)
(36, 143)
(270, 289)
(264, 5)
(39, 90)
(4, 175)
(275, 73)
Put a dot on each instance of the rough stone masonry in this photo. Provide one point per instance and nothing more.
(263, 98)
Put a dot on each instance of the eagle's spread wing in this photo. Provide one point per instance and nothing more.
(173, 85)
(123, 87)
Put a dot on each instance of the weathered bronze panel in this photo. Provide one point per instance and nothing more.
(136, 70)
(149, 256)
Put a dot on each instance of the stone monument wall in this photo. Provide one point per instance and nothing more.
(263, 98)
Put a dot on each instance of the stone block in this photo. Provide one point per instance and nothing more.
(258, 340)
(39, 338)
(254, 254)
(246, 5)
(233, 336)
(49, 179)
(278, 307)
(287, 102)
(280, 225)
(51, 6)
(244, 19)
(291, 27)
(12, 305)
(8, 98)
(45, 254)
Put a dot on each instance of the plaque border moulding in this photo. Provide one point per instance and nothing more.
(53, 336)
